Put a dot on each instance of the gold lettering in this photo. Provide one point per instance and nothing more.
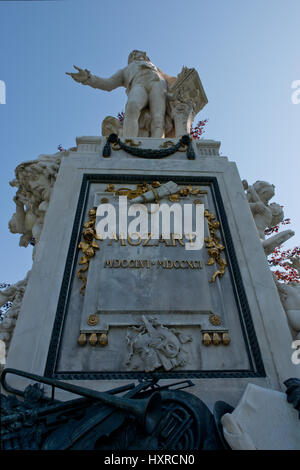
(163, 240)
(114, 237)
(190, 264)
(131, 263)
(191, 237)
(160, 263)
(182, 267)
(124, 263)
(178, 239)
(122, 240)
(116, 263)
(176, 266)
(130, 240)
(168, 264)
(146, 242)
(108, 263)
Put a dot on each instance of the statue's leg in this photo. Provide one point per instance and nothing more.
(157, 103)
(137, 100)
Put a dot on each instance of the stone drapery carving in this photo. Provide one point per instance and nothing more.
(266, 215)
(154, 346)
(14, 294)
(34, 180)
(158, 105)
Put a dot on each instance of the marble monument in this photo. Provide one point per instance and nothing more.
(101, 312)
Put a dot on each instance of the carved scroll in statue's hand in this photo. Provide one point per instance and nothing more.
(81, 76)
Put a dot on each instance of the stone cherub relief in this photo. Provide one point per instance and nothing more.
(14, 294)
(266, 215)
(157, 106)
(154, 346)
(290, 299)
(34, 180)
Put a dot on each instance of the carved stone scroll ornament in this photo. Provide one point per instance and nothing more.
(186, 97)
(154, 346)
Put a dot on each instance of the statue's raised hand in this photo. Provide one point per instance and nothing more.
(81, 76)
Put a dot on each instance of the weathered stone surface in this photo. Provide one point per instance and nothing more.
(157, 105)
(42, 302)
(263, 420)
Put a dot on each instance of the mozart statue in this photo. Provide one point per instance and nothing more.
(158, 105)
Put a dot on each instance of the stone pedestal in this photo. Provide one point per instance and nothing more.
(229, 332)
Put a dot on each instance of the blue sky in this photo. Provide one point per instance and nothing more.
(246, 52)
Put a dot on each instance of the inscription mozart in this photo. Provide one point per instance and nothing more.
(136, 240)
(133, 273)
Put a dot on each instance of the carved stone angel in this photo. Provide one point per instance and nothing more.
(266, 215)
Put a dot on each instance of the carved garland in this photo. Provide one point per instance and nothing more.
(213, 245)
(88, 247)
(183, 145)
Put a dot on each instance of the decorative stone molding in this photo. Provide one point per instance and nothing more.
(90, 144)
(208, 148)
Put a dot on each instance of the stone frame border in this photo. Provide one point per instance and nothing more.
(252, 347)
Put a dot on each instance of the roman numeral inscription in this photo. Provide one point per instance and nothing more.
(146, 263)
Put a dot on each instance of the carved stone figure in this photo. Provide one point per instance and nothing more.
(154, 98)
(34, 180)
(290, 299)
(154, 346)
(266, 215)
(14, 294)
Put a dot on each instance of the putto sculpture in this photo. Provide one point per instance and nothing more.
(158, 105)
(266, 215)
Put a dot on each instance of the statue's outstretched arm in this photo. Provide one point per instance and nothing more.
(107, 84)
(86, 78)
